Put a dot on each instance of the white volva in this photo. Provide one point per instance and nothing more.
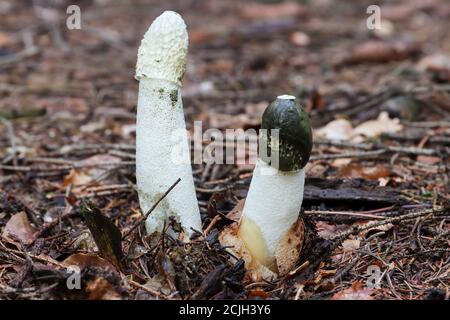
(273, 202)
(160, 68)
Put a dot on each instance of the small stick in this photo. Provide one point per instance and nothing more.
(13, 58)
(213, 222)
(29, 113)
(373, 224)
(12, 138)
(138, 223)
(203, 190)
(149, 290)
(368, 147)
(364, 214)
(364, 154)
(343, 213)
(429, 124)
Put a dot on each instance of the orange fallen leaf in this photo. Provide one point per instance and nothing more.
(101, 289)
(257, 294)
(356, 171)
(4, 40)
(98, 288)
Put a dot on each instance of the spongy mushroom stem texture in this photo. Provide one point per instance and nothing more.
(161, 128)
(280, 195)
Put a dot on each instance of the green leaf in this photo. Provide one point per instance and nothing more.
(106, 235)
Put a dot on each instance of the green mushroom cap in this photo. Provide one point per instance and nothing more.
(295, 134)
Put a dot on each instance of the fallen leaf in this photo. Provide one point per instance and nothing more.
(4, 40)
(106, 235)
(77, 177)
(89, 173)
(315, 169)
(350, 245)
(98, 288)
(328, 231)
(256, 293)
(356, 292)
(374, 128)
(336, 130)
(84, 260)
(101, 289)
(356, 171)
(19, 227)
(341, 162)
(84, 242)
(236, 213)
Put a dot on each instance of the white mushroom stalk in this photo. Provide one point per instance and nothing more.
(268, 223)
(160, 67)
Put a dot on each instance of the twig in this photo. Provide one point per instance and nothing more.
(53, 224)
(138, 223)
(12, 138)
(415, 137)
(363, 154)
(28, 113)
(355, 230)
(211, 225)
(13, 58)
(34, 257)
(429, 124)
(203, 190)
(149, 290)
(343, 213)
(368, 147)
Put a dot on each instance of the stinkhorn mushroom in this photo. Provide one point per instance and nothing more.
(160, 67)
(270, 233)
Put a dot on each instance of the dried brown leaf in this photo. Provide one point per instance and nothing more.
(19, 227)
(356, 292)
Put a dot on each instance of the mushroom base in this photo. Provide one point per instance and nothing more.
(260, 265)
